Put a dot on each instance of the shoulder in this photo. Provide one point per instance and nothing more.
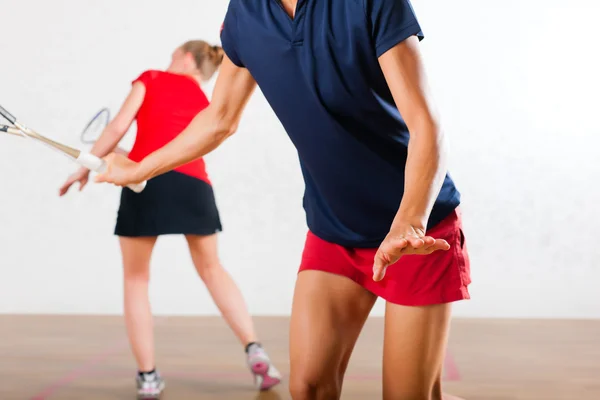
(148, 76)
(374, 6)
(241, 8)
(232, 7)
(230, 21)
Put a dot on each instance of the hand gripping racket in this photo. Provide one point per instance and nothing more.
(86, 160)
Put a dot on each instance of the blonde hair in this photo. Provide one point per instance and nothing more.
(208, 58)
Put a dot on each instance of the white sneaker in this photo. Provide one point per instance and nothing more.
(265, 374)
(149, 386)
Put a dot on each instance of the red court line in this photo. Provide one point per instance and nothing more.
(79, 371)
(226, 375)
(450, 368)
(82, 370)
(451, 372)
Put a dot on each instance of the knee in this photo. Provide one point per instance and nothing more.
(302, 389)
(207, 269)
(412, 392)
(135, 274)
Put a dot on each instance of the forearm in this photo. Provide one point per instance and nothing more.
(424, 175)
(107, 142)
(204, 134)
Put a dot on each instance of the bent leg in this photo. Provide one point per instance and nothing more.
(225, 293)
(228, 298)
(328, 314)
(416, 333)
(414, 349)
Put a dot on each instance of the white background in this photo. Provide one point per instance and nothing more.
(517, 86)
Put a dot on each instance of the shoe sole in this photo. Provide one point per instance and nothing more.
(264, 380)
(153, 395)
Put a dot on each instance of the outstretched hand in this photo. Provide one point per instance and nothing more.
(120, 171)
(81, 176)
(402, 241)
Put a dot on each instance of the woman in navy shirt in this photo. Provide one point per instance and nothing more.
(346, 81)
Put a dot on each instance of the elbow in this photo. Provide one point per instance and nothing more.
(229, 129)
(115, 130)
(427, 128)
(226, 125)
(426, 134)
(224, 131)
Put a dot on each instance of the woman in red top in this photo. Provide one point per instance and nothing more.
(177, 202)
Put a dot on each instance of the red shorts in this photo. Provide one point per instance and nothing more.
(415, 280)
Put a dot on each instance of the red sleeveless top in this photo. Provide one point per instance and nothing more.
(170, 104)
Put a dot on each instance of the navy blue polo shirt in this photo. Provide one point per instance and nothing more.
(320, 73)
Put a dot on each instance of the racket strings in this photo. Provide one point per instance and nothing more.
(95, 127)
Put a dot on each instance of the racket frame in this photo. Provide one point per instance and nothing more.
(86, 160)
(102, 111)
(11, 130)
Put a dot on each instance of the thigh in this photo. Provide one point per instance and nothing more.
(136, 253)
(414, 349)
(203, 250)
(328, 314)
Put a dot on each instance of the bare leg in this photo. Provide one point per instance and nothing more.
(414, 350)
(328, 314)
(138, 317)
(229, 300)
(222, 288)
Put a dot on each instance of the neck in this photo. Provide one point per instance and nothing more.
(195, 76)
(290, 6)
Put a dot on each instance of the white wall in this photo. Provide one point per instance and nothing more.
(517, 85)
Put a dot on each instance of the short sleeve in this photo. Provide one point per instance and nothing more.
(229, 35)
(146, 77)
(391, 22)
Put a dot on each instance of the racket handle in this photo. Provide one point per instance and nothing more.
(9, 117)
(98, 165)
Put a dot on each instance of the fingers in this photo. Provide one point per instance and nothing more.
(442, 244)
(395, 245)
(428, 241)
(408, 244)
(389, 252)
(415, 242)
(392, 249)
(101, 178)
(379, 266)
(82, 184)
(105, 176)
(66, 186)
(436, 245)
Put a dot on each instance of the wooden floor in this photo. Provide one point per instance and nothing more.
(87, 358)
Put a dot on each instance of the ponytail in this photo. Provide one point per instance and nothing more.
(208, 58)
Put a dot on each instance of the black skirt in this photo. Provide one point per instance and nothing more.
(172, 203)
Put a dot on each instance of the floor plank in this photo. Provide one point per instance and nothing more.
(87, 357)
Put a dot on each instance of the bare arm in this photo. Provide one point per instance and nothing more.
(426, 164)
(209, 128)
(111, 135)
(118, 127)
